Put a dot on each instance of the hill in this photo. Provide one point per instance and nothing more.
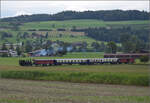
(106, 15)
(52, 28)
(83, 32)
(84, 23)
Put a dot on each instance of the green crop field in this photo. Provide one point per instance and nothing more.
(68, 24)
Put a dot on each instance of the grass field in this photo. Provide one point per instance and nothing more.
(26, 91)
(68, 24)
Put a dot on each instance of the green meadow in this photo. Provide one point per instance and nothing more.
(85, 23)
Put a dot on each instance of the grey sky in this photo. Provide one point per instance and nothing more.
(15, 8)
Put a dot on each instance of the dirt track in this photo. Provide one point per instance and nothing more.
(63, 92)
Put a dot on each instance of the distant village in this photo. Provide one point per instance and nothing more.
(7, 50)
(52, 49)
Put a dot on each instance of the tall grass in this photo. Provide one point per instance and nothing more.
(80, 77)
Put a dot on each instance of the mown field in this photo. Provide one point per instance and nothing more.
(27, 91)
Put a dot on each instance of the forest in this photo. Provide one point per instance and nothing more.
(105, 15)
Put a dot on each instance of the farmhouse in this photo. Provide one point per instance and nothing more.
(8, 45)
(8, 53)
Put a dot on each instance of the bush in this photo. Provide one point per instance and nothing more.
(31, 29)
(144, 58)
(5, 55)
(45, 30)
(61, 29)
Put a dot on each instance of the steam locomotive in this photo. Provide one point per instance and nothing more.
(81, 61)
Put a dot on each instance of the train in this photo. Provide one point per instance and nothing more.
(72, 61)
(126, 55)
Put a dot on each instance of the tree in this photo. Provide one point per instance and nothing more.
(5, 35)
(47, 44)
(19, 36)
(105, 15)
(46, 35)
(144, 59)
(28, 46)
(95, 46)
(74, 27)
(84, 44)
(102, 46)
(112, 47)
(15, 25)
(4, 47)
(19, 51)
(11, 46)
(53, 25)
(60, 35)
(131, 43)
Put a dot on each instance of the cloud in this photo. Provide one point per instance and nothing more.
(22, 13)
(76, 8)
(11, 8)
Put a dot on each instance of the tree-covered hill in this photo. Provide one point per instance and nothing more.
(106, 15)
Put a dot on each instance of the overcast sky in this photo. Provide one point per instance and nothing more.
(15, 8)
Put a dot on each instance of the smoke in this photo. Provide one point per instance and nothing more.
(54, 49)
(69, 48)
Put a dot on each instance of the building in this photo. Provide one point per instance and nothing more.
(127, 55)
(8, 53)
(13, 53)
(2, 52)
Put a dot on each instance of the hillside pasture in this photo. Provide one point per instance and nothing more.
(85, 23)
(66, 36)
(56, 33)
(67, 25)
